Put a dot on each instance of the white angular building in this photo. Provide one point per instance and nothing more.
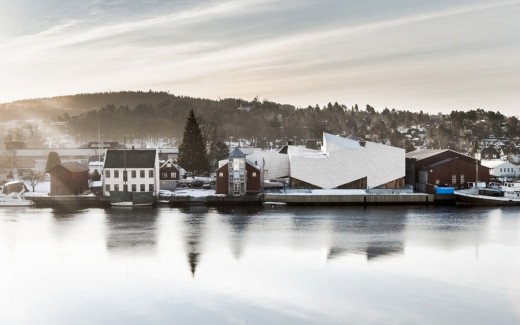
(345, 163)
(342, 163)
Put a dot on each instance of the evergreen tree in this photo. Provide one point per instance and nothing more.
(218, 151)
(53, 159)
(192, 151)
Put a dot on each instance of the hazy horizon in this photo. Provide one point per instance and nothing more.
(436, 57)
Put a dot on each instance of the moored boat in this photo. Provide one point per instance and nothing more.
(507, 195)
(15, 200)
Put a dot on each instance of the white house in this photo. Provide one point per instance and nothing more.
(135, 170)
(501, 169)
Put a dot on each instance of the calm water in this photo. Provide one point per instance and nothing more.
(404, 265)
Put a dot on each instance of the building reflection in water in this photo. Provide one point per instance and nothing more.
(131, 228)
(239, 219)
(375, 232)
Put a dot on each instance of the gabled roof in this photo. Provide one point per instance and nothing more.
(237, 153)
(425, 153)
(135, 158)
(164, 164)
(73, 167)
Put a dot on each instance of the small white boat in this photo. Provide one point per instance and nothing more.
(15, 200)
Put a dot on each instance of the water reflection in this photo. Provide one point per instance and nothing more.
(239, 219)
(332, 265)
(194, 224)
(131, 229)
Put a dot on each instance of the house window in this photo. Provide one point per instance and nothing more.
(150, 187)
(454, 179)
(164, 175)
(173, 174)
(125, 175)
(142, 188)
(107, 187)
(150, 173)
(462, 179)
(141, 173)
(107, 173)
(125, 187)
(134, 174)
(437, 182)
(116, 187)
(116, 173)
(134, 188)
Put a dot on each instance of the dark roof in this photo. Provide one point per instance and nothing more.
(237, 153)
(134, 158)
(73, 167)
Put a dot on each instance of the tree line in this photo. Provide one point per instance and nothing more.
(155, 115)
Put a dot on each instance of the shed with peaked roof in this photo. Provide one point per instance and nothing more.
(70, 178)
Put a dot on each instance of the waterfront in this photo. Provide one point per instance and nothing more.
(340, 265)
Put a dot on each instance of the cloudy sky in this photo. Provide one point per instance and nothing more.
(417, 55)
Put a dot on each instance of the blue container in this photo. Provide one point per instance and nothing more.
(444, 190)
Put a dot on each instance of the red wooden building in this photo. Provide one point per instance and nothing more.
(428, 168)
(238, 176)
(69, 178)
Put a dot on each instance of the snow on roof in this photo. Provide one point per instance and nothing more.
(424, 153)
(494, 163)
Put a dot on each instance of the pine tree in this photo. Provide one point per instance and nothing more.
(192, 151)
(53, 159)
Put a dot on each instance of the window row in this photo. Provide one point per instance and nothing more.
(142, 188)
(133, 173)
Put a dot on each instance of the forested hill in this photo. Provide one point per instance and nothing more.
(159, 114)
(50, 108)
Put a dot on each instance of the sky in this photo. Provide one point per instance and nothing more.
(435, 56)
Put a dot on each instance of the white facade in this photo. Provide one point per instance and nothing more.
(500, 168)
(144, 179)
(342, 160)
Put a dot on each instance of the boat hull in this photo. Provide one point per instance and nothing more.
(484, 200)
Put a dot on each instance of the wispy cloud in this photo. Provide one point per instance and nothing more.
(241, 48)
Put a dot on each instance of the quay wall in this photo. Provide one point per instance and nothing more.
(68, 202)
(357, 199)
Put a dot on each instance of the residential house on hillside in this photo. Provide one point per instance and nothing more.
(427, 168)
(70, 178)
(489, 153)
(135, 170)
